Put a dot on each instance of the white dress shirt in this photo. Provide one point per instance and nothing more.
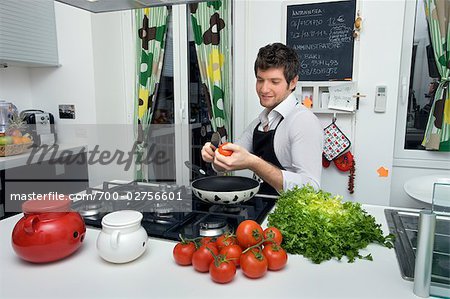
(298, 142)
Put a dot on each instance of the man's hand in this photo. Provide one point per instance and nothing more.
(242, 159)
(208, 152)
(239, 159)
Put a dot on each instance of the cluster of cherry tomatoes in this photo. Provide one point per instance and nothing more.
(252, 249)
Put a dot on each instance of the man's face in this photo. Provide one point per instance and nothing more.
(272, 88)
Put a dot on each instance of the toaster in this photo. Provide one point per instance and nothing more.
(41, 126)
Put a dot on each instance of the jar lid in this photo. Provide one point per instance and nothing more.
(122, 218)
(47, 203)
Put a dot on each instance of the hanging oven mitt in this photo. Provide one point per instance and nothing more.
(335, 142)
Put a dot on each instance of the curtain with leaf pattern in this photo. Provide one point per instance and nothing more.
(211, 23)
(437, 133)
(151, 27)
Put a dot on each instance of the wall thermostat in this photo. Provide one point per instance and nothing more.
(380, 99)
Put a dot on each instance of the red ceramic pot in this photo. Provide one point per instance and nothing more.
(48, 231)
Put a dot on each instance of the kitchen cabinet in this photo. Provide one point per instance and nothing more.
(28, 33)
(62, 176)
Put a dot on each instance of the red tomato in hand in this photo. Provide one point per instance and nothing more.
(272, 234)
(182, 253)
(276, 256)
(254, 264)
(232, 252)
(222, 271)
(224, 151)
(249, 233)
(202, 257)
(225, 240)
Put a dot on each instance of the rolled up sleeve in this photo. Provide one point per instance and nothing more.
(306, 152)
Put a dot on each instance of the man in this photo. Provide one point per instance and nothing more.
(283, 146)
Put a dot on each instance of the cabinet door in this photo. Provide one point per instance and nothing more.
(28, 33)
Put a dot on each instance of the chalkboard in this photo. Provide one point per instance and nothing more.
(322, 36)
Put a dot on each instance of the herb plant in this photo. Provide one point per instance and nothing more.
(320, 226)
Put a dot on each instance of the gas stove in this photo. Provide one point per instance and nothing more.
(185, 214)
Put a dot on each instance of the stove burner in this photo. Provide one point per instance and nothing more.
(163, 210)
(213, 228)
(90, 210)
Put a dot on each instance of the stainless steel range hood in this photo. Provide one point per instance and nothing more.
(97, 6)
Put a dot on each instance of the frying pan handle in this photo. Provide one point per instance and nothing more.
(195, 168)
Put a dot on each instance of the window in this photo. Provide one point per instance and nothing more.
(423, 81)
(417, 83)
(181, 108)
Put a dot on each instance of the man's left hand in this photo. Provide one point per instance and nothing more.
(239, 159)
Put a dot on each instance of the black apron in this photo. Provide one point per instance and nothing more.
(263, 147)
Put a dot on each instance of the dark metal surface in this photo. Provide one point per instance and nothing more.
(404, 225)
(191, 222)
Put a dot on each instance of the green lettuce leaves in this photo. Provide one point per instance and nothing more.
(320, 226)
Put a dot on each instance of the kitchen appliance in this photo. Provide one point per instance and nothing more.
(41, 126)
(192, 218)
(122, 238)
(405, 225)
(7, 109)
(48, 231)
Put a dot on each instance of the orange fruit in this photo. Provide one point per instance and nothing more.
(17, 139)
(26, 139)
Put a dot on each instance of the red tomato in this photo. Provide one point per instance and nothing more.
(222, 271)
(272, 234)
(182, 253)
(249, 233)
(225, 240)
(224, 151)
(253, 264)
(202, 257)
(207, 240)
(232, 252)
(276, 256)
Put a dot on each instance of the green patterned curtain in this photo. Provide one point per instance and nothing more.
(151, 25)
(211, 23)
(437, 134)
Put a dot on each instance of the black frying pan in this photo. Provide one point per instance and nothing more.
(223, 189)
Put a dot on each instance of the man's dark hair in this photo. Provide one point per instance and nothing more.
(278, 55)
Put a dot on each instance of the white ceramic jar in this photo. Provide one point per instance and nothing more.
(122, 238)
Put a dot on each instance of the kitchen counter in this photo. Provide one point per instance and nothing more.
(22, 159)
(156, 275)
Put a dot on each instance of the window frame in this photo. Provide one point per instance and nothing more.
(409, 157)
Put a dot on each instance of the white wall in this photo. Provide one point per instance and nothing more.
(73, 82)
(380, 45)
(91, 77)
(15, 87)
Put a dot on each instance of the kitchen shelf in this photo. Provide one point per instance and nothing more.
(315, 90)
